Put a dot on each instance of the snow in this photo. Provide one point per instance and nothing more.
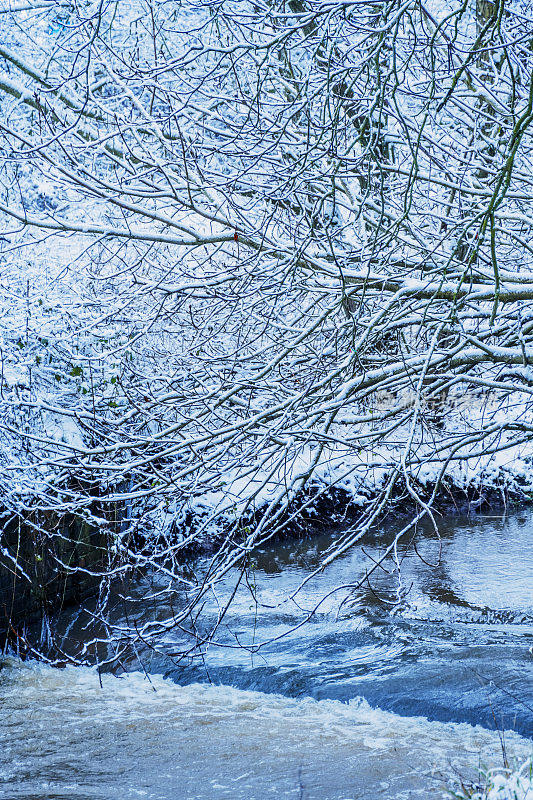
(508, 784)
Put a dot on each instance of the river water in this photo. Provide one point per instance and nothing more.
(382, 694)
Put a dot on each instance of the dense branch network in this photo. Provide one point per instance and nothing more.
(280, 246)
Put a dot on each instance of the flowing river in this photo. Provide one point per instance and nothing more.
(381, 694)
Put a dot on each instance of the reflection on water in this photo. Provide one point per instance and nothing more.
(456, 648)
(453, 646)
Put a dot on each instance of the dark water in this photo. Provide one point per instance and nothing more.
(449, 637)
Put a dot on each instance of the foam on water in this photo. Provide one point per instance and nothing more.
(63, 735)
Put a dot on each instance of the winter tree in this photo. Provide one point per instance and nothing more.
(256, 253)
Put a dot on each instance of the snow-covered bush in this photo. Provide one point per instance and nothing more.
(506, 784)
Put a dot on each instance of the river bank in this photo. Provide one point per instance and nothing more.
(57, 561)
